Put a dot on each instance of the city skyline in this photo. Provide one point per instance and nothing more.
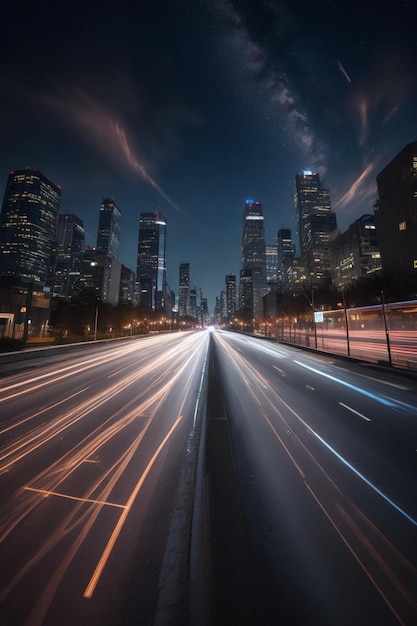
(195, 107)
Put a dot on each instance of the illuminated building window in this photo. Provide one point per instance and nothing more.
(402, 225)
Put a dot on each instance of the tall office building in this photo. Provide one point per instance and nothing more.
(70, 252)
(193, 303)
(285, 252)
(151, 265)
(396, 215)
(309, 199)
(253, 263)
(316, 225)
(285, 245)
(246, 293)
(28, 226)
(184, 290)
(127, 292)
(231, 295)
(355, 253)
(220, 309)
(271, 261)
(204, 317)
(108, 236)
(101, 274)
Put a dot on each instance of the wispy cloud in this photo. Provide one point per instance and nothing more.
(360, 190)
(108, 135)
(343, 71)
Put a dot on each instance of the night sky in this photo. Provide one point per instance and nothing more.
(193, 106)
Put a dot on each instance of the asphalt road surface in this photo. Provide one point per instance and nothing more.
(207, 478)
(92, 450)
(326, 464)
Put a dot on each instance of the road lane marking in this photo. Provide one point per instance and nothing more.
(368, 419)
(279, 370)
(68, 497)
(118, 528)
(200, 388)
(348, 465)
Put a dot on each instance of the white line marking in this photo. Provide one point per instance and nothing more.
(355, 412)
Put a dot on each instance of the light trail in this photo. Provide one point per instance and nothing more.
(116, 532)
(364, 479)
(256, 385)
(344, 383)
(117, 446)
(68, 497)
(384, 565)
(45, 432)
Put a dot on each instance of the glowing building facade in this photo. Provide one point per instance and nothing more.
(253, 265)
(184, 290)
(28, 226)
(316, 225)
(69, 259)
(108, 236)
(151, 261)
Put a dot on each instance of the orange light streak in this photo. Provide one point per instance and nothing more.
(68, 497)
(116, 532)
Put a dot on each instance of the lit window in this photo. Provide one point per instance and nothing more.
(402, 225)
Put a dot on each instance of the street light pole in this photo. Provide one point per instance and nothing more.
(314, 318)
(346, 322)
(386, 327)
(95, 323)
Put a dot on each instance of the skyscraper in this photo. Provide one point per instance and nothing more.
(108, 236)
(309, 199)
(70, 251)
(355, 253)
(316, 224)
(184, 290)
(193, 303)
(231, 295)
(127, 285)
(271, 261)
(286, 248)
(253, 258)
(101, 274)
(286, 252)
(396, 216)
(151, 265)
(28, 226)
(204, 317)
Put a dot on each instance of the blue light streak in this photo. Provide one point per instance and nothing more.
(364, 479)
(368, 394)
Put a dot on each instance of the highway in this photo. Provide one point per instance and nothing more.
(326, 463)
(92, 450)
(300, 469)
